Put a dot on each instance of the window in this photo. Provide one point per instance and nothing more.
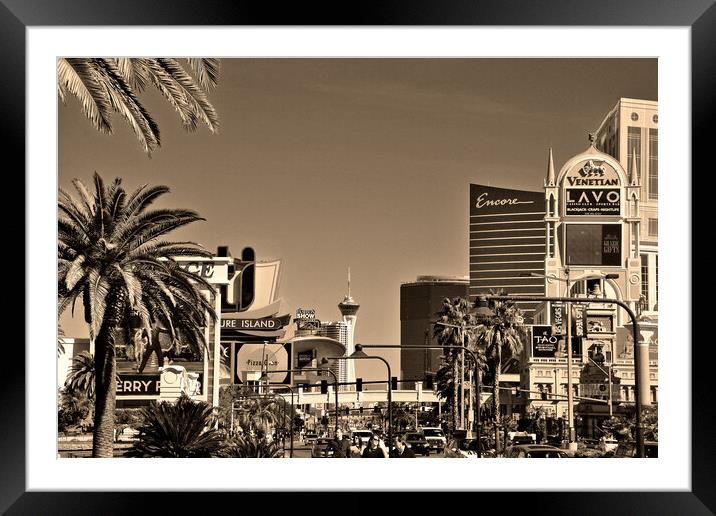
(653, 227)
(653, 163)
(645, 276)
(634, 147)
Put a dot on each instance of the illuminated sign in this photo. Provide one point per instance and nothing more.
(544, 343)
(592, 173)
(578, 320)
(258, 357)
(308, 313)
(268, 323)
(557, 318)
(592, 201)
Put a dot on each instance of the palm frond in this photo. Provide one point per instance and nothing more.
(77, 77)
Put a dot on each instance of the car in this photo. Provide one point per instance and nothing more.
(324, 447)
(310, 437)
(435, 437)
(535, 451)
(417, 442)
(627, 449)
(466, 448)
(521, 438)
(363, 434)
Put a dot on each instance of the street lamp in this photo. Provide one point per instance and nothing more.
(447, 346)
(359, 354)
(265, 373)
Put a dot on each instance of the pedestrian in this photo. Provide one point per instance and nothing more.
(341, 445)
(401, 450)
(356, 447)
(373, 451)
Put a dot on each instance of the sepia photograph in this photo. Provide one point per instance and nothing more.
(311, 258)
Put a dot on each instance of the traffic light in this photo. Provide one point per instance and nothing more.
(360, 410)
(347, 411)
(324, 386)
(359, 384)
(394, 383)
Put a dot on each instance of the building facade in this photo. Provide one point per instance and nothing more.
(507, 243)
(420, 302)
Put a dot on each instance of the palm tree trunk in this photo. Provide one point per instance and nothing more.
(496, 398)
(105, 375)
(105, 394)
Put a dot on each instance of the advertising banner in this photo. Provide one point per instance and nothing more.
(267, 323)
(558, 318)
(255, 357)
(544, 343)
(578, 320)
(304, 358)
(599, 324)
(594, 244)
(592, 201)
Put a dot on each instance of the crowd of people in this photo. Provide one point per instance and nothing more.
(375, 448)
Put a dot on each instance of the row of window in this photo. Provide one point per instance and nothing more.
(634, 148)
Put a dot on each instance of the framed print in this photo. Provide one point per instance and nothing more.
(320, 223)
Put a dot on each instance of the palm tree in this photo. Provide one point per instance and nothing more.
(500, 334)
(60, 341)
(103, 86)
(111, 256)
(81, 377)
(246, 446)
(456, 313)
(181, 429)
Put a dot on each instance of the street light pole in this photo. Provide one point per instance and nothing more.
(609, 374)
(570, 393)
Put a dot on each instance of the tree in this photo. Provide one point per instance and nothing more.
(458, 329)
(181, 429)
(103, 86)
(112, 256)
(247, 446)
(500, 334)
(81, 377)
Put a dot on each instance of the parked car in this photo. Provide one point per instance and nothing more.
(466, 448)
(435, 437)
(535, 451)
(417, 442)
(627, 449)
(363, 434)
(324, 447)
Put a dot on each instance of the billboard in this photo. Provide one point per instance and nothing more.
(592, 201)
(544, 343)
(252, 358)
(594, 244)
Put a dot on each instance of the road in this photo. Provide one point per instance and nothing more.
(304, 452)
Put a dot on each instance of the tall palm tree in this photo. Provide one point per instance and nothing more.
(181, 429)
(103, 86)
(456, 313)
(500, 334)
(111, 255)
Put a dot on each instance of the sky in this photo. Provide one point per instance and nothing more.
(331, 163)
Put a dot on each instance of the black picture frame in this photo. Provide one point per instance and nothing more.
(17, 15)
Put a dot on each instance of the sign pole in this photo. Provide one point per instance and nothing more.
(570, 393)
